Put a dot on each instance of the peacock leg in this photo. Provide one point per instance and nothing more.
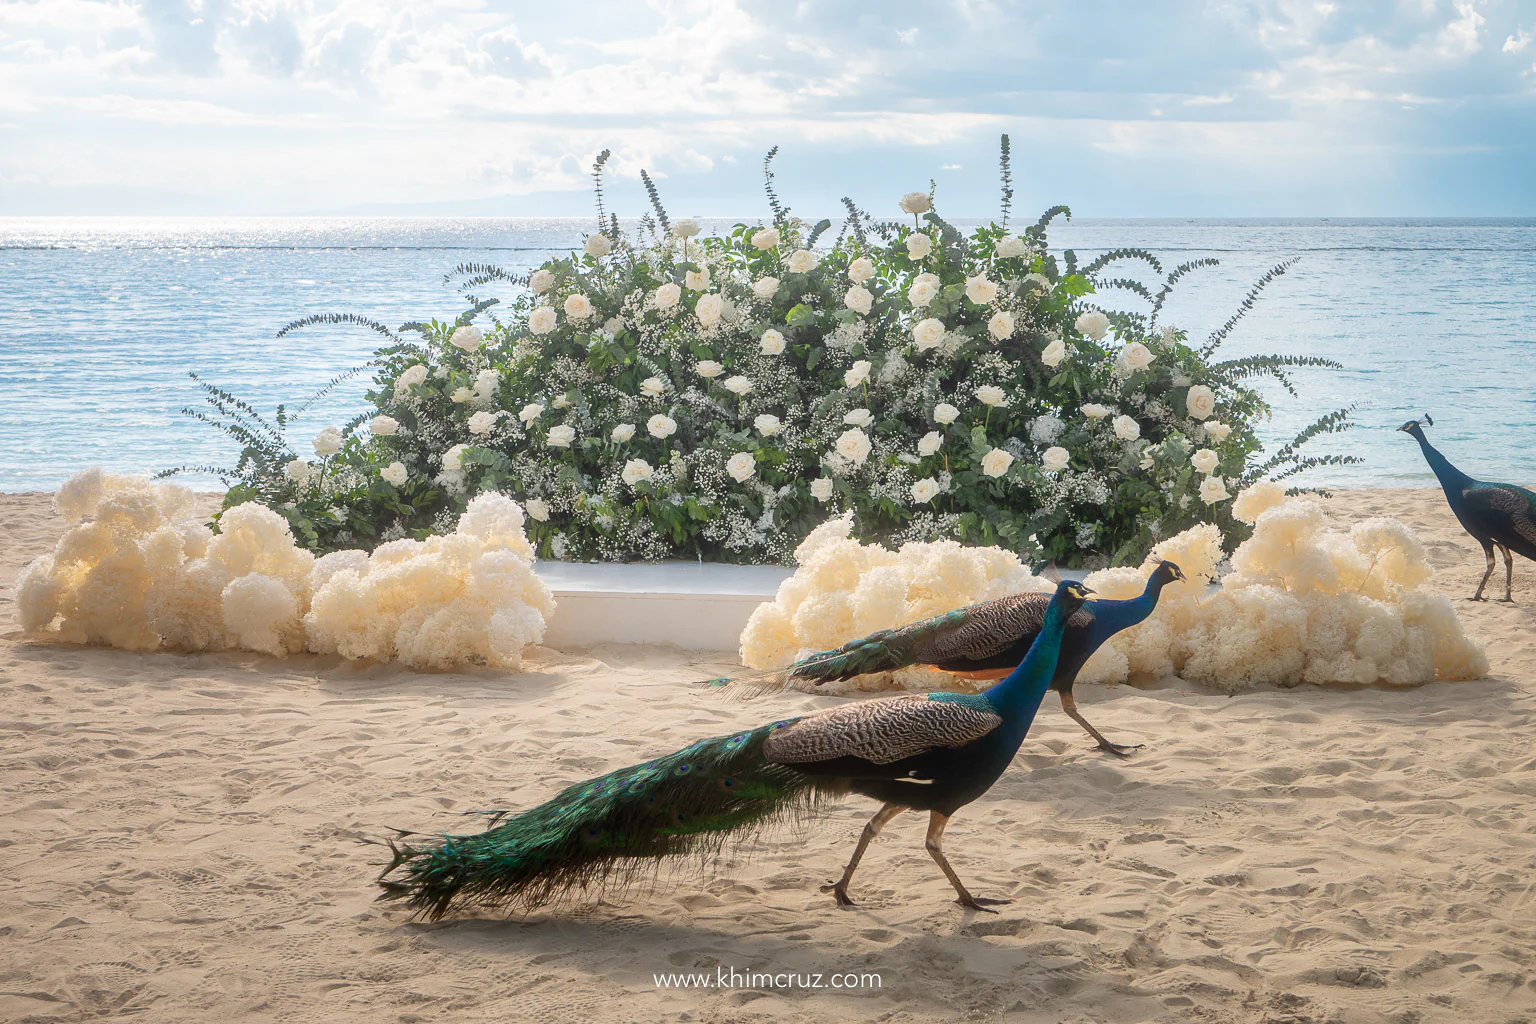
(1509, 573)
(936, 823)
(839, 888)
(1069, 705)
(1488, 553)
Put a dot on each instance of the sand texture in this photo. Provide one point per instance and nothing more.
(179, 841)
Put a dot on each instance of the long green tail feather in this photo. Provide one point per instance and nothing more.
(605, 829)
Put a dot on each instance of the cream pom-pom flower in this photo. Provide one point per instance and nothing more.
(991, 394)
(861, 270)
(395, 473)
(765, 238)
(561, 436)
(854, 446)
(996, 462)
(1212, 490)
(383, 426)
(1201, 401)
(636, 470)
(1094, 411)
(622, 432)
(930, 443)
(859, 418)
(597, 245)
(1126, 428)
(928, 334)
(685, 228)
(709, 309)
(1009, 246)
(542, 320)
(859, 299)
(772, 343)
(328, 442)
(540, 281)
(661, 426)
(925, 490)
(538, 509)
(467, 338)
(1055, 459)
(945, 413)
(1204, 460)
(697, 280)
(1001, 326)
(767, 424)
(709, 369)
(1092, 324)
(667, 295)
(530, 412)
(1256, 499)
(1054, 353)
(919, 246)
(980, 289)
(410, 377)
(801, 261)
(856, 374)
(737, 385)
(915, 202)
(741, 466)
(765, 288)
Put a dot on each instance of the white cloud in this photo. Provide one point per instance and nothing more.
(1517, 42)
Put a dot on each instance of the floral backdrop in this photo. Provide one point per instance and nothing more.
(664, 394)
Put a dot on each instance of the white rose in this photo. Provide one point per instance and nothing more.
(623, 432)
(394, 473)
(980, 290)
(930, 443)
(482, 422)
(859, 299)
(653, 386)
(1204, 460)
(945, 413)
(1147, 462)
(661, 426)
(996, 462)
(538, 508)
(766, 238)
(462, 396)
(383, 426)
(919, 246)
(1135, 356)
(327, 442)
(928, 333)
(467, 338)
(708, 309)
(854, 446)
(1212, 490)
(1009, 246)
(991, 394)
(861, 270)
(708, 369)
(561, 436)
(409, 377)
(772, 342)
(530, 412)
(925, 489)
(453, 458)
(540, 281)
(858, 417)
(1126, 428)
(685, 228)
(1054, 353)
(298, 471)
(921, 293)
(1092, 324)
(1094, 411)
(697, 280)
(856, 374)
(916, 202)
(1001, 325)
(1039, 281)
(765, 287)
(667, 295)
(801, 261)
(541, 320)
(636, 470)
(578, 306)
(767, 424)
(562, 402)
(1217, 430)
(821, 488)
(1055, 459)
(742, 465)
(738, 385)
(598, 245)
(1201, 401)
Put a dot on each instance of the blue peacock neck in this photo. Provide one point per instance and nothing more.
(1110, 617)
(1453, 480)
(1018, 695)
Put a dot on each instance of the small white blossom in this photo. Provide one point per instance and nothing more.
(858, 418)
(856, 374)
(661, 426)
(765, 288)
(541, 320)
(667, 295)
(394, 473)
(1201, 401)
(925, 490)
(561, 436)
(930, 443)
(1092, 324)
(708, 369)
(859, 299)
(821, 488)
(636, 470)
(741, 466)
(765, 238)
(738, 385)
(622, 432)
(772, 342)
(1204, 460)
(801, 261)
(1126, 428)
(1055, 459)
(327, 442)
(996, 462)
(916, 202)
(991, 394)
(945, 413)
(767, 424)
(598, 245)
(383, 426)
(854, 446)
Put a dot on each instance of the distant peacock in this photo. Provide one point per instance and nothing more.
(1496, 515)
(982, 641)
(931, 752)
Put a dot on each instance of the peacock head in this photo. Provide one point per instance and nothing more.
(1072, 594)
(1415, 428)
(1167, 572)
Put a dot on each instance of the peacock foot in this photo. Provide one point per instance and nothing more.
(982, 903)
(1505, 600)
(1477, 597)
(1119, 749)
(839, 893)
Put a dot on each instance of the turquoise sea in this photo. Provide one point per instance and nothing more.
(101, 319)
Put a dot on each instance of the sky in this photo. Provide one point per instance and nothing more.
(1229, 108)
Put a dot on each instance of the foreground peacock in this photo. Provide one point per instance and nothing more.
(981, 641)
(1496, 515)
(933, 752)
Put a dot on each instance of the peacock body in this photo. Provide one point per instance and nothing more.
(1497, 515)
(935, 752)
(985, 640)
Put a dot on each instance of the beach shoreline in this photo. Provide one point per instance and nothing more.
(182, 840)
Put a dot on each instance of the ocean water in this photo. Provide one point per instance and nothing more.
(101, 320)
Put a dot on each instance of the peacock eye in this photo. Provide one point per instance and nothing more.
(682, 769)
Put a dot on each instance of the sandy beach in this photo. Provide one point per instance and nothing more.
(181, 842)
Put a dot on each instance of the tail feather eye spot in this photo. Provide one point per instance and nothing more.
(679, 818)
(591, 834)
(735, 741)
(682, 769)
(728, 784)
